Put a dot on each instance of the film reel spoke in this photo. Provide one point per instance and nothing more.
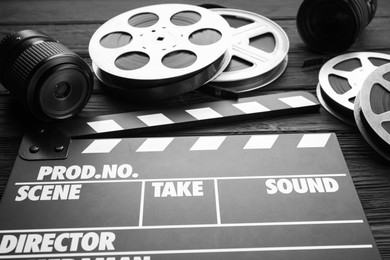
(384, 84)
(251, 54)
(385, 117)
(351, 93)
(250, 30)
(241, 47)
(344, 74)
(366, 63)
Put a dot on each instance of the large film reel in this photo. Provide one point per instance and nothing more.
(341, 78)
(259, 52)
(372, 110)
(160, 51)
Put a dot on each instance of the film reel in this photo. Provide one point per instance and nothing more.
(160, 51)
(341, 78)
(372, 110)
(259, 52)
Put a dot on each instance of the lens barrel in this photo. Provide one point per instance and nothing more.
(48, 79)
(332, 26)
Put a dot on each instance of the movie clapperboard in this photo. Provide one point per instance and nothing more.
(270, 196)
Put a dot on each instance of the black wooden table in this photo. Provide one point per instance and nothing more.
(74, 22)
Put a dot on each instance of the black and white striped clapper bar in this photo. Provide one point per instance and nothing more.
(274, 196)
(194, 115)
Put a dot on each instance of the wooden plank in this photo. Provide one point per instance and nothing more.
(84, 11)
(28, 12)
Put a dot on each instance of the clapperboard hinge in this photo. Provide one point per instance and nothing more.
(44, 143)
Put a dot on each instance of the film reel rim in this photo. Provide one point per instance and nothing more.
(281, 43)
(156, 92)
(262, 80)
(321, 97)
(211, 53)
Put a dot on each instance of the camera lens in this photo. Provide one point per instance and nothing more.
(332, 26)
(48, 79)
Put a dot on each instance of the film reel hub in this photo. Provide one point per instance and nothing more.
(155, 46)
(160, 39)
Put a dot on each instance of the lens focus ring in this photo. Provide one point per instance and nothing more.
(28, 61)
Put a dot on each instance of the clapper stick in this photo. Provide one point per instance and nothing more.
(125, 124)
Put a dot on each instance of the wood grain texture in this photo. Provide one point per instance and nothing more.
(84, 11)
(74, 22)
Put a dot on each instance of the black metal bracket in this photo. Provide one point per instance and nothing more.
(44, 143)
